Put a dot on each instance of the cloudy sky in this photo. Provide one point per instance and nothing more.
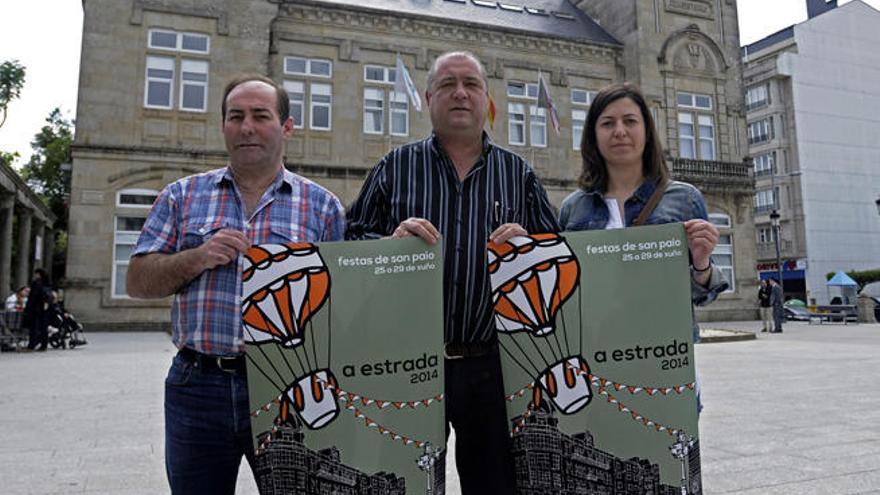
(45, 35)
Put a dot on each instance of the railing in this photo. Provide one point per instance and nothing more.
(711, 174)
(767, 250)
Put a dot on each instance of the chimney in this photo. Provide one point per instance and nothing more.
(817, 7)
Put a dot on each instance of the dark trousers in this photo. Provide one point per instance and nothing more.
(39, 332)
(207, 429)
(778, 318)
(475, 408)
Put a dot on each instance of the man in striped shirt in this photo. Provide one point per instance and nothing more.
(191, 247)
(459, 186)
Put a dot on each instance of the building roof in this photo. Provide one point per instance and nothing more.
(777, 37)
(556, 18)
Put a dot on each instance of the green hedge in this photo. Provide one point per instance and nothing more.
(862, 278)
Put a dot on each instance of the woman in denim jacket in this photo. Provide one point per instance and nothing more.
(622, 166)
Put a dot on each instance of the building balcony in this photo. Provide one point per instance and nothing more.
(711, 175)
(767, 250)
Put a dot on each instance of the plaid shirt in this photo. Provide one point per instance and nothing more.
(206, 313)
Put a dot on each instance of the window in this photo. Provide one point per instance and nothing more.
(765, 164)
(136, 198)
(163, 39)
(720, 220)
(722, 257)
(127, 230)
(193, 85)
(375, 98)
(578, 119)
(765, 234)
(519, 122)
(308, 67)
(580, 103)
(321, 102)
(320, 95)
(160, 78)
(761, 131)
(516, 123)
(158, 90)
(757, 97)
(696, 126)
(765, 200)
(296, 92)
(538, 126)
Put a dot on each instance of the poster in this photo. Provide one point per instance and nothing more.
(345, 366)
(595, 330)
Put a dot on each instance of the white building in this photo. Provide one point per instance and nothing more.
(813, 100)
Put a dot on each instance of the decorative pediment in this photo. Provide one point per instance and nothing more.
(691, 50)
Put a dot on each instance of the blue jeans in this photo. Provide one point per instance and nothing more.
(207, 429)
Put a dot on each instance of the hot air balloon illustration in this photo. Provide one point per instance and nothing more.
(276, 308)
(531, 278)
(284, 287)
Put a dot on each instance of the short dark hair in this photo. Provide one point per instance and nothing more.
(595, 171)
(283, 101)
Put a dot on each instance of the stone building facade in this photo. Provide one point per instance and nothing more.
(153, 71)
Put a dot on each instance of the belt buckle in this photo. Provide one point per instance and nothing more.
(220, 360)
(448, 356)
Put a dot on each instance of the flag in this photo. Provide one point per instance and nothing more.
(492, 112)
(544, 100)
(403, 84)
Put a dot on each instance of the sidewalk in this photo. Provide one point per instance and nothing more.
(790, 413)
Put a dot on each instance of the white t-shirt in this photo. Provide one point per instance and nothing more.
(614, 220)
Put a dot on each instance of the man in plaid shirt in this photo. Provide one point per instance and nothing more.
(191, 246)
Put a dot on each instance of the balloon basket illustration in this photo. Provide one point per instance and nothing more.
(566, 384)
(314, 398)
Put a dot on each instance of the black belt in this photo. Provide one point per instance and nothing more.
(461, 350)
(229, 364)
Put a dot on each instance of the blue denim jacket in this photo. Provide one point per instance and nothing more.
(586, 210)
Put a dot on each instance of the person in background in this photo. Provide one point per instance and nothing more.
(764, 306)
(776, 302)
(17, 300)
(36, 311)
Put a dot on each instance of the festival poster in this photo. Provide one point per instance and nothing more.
(595, 330)
(345, 366)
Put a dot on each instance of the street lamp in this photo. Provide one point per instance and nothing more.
(774, 220)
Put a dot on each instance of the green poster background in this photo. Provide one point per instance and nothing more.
(385, 306)
(634, 290)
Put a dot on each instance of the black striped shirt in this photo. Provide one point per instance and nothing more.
(420, 180)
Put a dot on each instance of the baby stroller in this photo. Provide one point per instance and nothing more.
(64, 330)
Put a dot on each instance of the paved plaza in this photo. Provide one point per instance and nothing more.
(796, 413)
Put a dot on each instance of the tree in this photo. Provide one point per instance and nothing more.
(45, 171)
(11, 82)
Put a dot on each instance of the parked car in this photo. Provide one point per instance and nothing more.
(796, 313)
(872, 290)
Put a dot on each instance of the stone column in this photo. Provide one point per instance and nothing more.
(22, 276)
(49, 251)
(7, 204)
(38, 227)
